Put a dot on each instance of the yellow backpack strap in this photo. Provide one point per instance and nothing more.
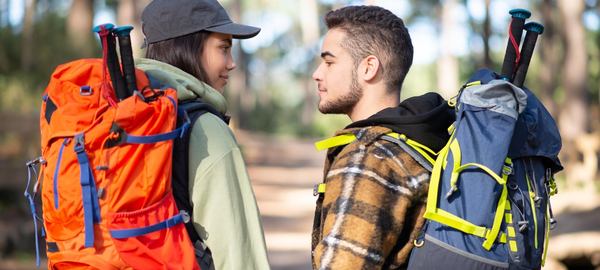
(335, 141)
(421, 153)
(434, 213)
(319, 189)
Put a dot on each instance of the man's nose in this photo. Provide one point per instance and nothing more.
(317, 74)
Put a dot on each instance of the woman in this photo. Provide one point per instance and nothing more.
(189, 48)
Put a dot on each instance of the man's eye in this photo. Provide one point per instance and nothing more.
(328, 63)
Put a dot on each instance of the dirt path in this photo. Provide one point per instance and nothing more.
(283, 172)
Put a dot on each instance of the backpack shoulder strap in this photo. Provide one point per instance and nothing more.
(422, 158)
(180, 181)
(421, 153)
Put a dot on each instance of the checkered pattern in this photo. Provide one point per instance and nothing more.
(373, 206)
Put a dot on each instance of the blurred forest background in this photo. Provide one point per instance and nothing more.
(271, 93)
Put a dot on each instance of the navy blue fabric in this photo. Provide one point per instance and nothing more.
(484, 137)
(530, 170)
(536, 134)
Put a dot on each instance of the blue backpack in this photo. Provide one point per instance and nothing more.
(488, 204)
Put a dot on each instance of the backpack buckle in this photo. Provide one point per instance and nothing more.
(79, 143)
(36, 161)
(185, 216)
(507, 169)
(319, 188)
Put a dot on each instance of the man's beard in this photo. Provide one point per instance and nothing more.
(344, 104)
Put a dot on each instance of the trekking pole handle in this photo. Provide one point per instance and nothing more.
(123, 34)
(533, 31)
(113, 65)
(518, 17)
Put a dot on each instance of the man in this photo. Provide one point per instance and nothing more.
(371, 209)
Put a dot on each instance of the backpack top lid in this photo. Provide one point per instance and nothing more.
(536, 133)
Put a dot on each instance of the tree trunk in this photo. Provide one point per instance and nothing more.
(447, 67)
(79, 26)
(6, 29)
(27, 46)
(309, 19)
(487, 33)
(550, 56)
(129, 12)
(573, 118)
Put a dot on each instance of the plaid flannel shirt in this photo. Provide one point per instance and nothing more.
(373, 206)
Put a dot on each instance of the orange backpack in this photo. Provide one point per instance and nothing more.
(106, 191)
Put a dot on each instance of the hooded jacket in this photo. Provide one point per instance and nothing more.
(372, 208)
(225, 213)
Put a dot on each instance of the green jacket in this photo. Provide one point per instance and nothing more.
(225, 213)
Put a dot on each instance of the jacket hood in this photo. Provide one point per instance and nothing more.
(424, 118)
(188, 87)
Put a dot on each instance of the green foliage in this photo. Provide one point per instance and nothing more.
(21, 88)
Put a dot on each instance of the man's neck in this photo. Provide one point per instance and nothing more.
(372, 104)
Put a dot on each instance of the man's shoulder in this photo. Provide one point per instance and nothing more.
(369, 140)
(372, 150)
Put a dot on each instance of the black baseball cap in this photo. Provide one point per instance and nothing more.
(167, 19)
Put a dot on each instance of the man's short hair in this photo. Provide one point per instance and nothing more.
(372, 30)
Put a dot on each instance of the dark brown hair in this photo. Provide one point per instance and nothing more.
(182, 52)
(372, 30)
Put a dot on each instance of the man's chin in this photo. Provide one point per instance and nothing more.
(328, 109)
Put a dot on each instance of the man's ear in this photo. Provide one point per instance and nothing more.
(369, 67)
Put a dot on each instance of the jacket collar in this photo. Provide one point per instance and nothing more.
(188, 87)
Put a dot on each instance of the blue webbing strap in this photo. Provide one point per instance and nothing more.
(60, 153)
(178, 132)
(126, 233)
(31, 168)
(91, 209)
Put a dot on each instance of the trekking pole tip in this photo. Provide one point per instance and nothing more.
(107, 26)
(535, 27)
(123, 30)
(520, 13)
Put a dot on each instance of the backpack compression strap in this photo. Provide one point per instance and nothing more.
(421, 153)
(434, 213)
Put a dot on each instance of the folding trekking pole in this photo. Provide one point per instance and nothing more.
(114, 68)
(533, 30)
(122, 33)
(512, 55)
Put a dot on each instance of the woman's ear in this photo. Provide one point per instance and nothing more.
(369, 67)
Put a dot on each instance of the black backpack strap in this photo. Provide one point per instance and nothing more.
(180, 181)
(411, 151)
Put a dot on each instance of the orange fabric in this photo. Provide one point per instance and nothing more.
(130, 178)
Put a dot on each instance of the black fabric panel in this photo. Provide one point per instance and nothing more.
(50, 108)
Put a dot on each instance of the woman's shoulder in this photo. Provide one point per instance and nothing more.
(213, 134)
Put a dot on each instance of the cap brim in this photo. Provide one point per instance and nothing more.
(238, 31)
